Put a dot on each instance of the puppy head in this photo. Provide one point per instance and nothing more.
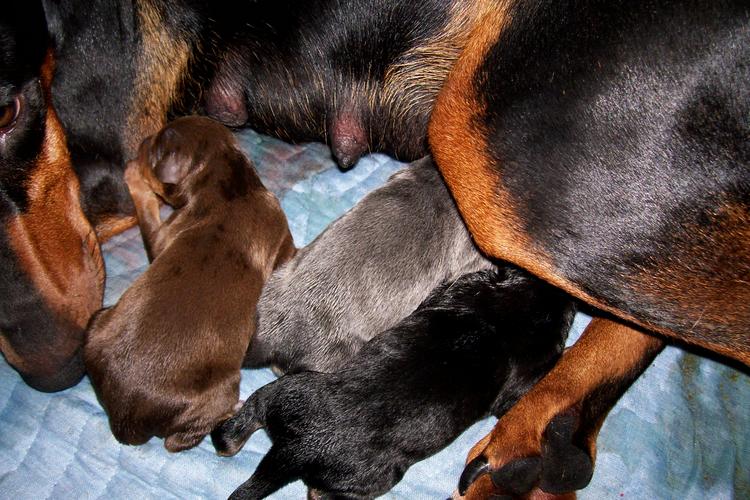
(149, 389)
(193, 153)
(183, 146)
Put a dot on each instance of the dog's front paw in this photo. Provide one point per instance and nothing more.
(567, 467)
(552, 467)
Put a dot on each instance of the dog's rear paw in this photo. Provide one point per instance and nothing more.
(230, 436)
(224, 440)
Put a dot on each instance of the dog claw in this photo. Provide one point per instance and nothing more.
(519, 476)
(477, 467)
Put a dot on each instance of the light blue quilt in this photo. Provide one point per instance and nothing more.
(682, 431)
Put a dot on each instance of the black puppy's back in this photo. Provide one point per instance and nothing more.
(474, 346)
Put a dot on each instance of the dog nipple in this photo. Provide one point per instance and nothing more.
(225, 102)
(348, 140)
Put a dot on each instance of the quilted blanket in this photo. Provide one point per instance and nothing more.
(682, 431)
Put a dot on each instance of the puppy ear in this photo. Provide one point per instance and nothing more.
(230, 436)
(273, 473)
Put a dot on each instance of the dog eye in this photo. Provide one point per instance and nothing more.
(8, 115)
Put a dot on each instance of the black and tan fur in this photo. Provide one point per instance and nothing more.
(603, 146)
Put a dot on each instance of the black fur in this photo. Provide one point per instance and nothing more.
(473, 347)
(621, 137)
(23, 41)
(318, 57)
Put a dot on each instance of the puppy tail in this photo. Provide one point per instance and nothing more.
(230, 436)
(272, 474)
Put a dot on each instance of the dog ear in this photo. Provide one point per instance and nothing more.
(273, 473)
(230, 436)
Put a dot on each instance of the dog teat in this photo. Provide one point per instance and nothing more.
(348, 138)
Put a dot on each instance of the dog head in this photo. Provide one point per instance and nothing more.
(52, 279)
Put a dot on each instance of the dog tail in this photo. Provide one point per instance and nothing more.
(231, 435)
(272, 474)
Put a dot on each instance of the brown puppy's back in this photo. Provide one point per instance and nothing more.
(165, 360)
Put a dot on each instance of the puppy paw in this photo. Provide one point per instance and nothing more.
(231, 435)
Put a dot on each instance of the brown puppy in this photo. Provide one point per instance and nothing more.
(165, 361)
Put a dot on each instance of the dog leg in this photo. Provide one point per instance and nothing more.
(231, 435)
(273, 473)
(146, 204)
(548, 439)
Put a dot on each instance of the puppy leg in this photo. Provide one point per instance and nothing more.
(141, 182)
(231, 435)
(548, 439)
(272, 474)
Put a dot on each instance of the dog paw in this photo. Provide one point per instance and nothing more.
(559, 468)
(567, 467)
(519, 476)
(224, 439)
(231, 435)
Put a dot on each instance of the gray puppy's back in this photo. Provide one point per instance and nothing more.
(364, 273)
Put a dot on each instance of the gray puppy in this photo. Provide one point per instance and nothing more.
(368, 270)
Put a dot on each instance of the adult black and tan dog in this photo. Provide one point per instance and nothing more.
(471, 348)
(600, 145)
(604, 146)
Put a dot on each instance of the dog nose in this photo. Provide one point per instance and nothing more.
(59, 378)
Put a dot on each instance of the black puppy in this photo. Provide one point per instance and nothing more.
(473, 347)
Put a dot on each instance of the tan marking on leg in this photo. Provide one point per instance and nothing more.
(413, 82)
